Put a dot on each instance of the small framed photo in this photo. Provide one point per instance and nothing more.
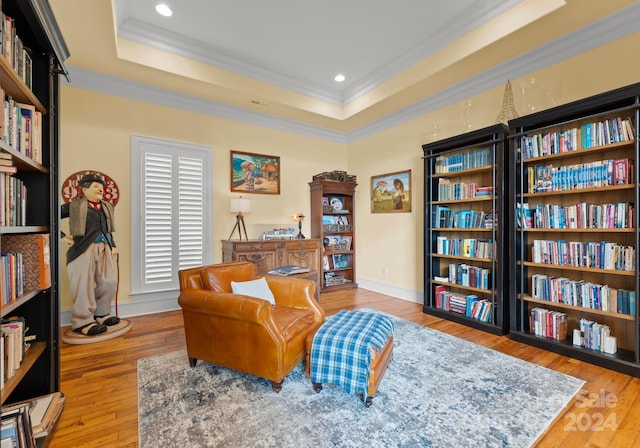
(328, 219)
(340, 261)
(346, 242)
(391, 192)
(337, 204)
(341, 220)
(334, 240)
(254, 173)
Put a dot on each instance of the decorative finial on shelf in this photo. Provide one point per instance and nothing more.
(508, 111)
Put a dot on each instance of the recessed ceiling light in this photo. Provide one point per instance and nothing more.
(339, 77)
(164, 10)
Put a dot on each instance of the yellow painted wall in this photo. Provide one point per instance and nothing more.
(96, 132)
(390, 246)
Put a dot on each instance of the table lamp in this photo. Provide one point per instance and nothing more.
(299, 217)
(240, 206)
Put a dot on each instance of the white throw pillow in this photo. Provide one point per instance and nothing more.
(254, 288)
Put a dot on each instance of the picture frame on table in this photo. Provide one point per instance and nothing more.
(391, 192)
(254, 173)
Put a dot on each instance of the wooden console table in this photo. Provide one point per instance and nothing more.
(270, 254)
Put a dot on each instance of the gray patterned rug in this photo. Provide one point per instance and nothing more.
(439, 391)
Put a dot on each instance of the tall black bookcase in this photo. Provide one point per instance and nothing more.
(30, 66)
(464, 231)
(574, 258)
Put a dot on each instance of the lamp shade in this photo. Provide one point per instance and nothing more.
(240, 205)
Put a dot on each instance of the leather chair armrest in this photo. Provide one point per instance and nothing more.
(296, 293)
(226, 305)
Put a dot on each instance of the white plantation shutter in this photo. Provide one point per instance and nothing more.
(157, 219)
(173, 207)
(190, 216)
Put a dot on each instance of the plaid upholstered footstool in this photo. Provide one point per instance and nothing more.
(352, 350)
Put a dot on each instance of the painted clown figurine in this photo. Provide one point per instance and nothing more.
(91, 258)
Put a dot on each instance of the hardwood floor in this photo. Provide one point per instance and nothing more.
(100, 380)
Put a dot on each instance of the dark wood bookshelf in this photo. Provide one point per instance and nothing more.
(489, 172)
(601, 114)
(38, 374)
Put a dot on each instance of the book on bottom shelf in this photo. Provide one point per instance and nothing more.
(16, 428)
(333, 279)
(549, 324)
(37, 418)
(468, 305)
(595, 336)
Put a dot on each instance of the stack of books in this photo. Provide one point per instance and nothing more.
(25, 422)
(289, 270)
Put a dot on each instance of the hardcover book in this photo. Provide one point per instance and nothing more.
(37, 258)
(621, 172)
(289, 270)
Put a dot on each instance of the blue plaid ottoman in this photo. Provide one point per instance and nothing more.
(352, 350)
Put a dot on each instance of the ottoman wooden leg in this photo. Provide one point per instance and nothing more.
(368, 401)
(316, 387)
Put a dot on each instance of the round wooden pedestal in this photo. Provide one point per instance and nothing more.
(71, 337)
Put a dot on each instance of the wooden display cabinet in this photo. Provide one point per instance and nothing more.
(267, 255)
(333, 222)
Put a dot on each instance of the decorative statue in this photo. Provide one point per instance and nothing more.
(91, 258)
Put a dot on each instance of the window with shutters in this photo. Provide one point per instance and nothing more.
(170, 213)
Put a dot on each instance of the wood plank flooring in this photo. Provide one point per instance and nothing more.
(100, 380)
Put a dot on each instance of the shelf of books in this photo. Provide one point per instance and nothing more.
(574, 261)
(32, 51)
(332, 220)
(463, 233)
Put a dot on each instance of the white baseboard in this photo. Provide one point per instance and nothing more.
(139, 307)
(390, 290)
(168, 301)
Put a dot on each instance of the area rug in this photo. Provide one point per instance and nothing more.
(439, 391)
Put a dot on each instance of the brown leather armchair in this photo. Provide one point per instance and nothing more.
(245, 333)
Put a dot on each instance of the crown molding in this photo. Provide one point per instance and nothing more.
(155, 37)
(112, 85)
(159, 38)
(447, 34)
(604, 31)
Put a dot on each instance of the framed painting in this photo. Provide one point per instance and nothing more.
(391, 192)
(254, 173)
